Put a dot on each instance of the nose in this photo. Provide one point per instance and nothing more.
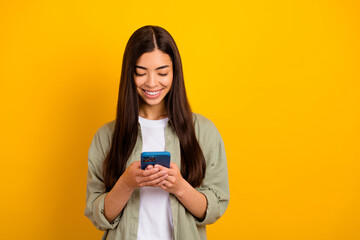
(151, 80)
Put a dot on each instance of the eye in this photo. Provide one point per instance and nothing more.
(138, 74)
(163, 74)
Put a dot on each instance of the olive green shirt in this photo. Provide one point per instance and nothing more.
(215, 185)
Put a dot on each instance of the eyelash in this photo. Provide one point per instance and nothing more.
(140, 75)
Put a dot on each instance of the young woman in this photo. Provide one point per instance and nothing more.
(153, 114)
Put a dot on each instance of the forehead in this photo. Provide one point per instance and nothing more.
(154, 59)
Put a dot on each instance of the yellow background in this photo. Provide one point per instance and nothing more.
(280, 79)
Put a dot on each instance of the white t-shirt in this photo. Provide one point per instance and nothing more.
(155, 217)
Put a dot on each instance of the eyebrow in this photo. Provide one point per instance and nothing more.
(162, 67)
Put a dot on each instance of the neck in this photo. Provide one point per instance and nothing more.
(152, 112)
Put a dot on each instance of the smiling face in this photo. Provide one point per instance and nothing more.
(153, 78)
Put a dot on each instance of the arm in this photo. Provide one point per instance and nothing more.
(194, 201)
(209, 201)
(215, 185)
(116, 200)
(95, 188)
(132, 178)
(104, 209)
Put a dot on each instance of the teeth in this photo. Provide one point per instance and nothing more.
(151, 93)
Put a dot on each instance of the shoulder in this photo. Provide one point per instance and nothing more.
(105, 132)
(202, 121)
(206, 131)
(106, 129)
(102, 140)
(204, 124)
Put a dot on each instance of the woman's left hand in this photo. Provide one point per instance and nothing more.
(194, 201)
(174, 183)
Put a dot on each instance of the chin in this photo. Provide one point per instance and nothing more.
(152, 103)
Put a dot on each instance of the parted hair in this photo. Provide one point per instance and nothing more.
(193, 166)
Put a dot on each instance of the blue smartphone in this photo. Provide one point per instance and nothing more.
(152, 158)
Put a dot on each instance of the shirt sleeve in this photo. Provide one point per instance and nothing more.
(215, 185)
(95, 192)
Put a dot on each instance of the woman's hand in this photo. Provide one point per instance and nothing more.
(134, 177)
(194, 201)
(174, 183)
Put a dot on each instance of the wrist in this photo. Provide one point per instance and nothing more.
(183, 188)
(122, 184)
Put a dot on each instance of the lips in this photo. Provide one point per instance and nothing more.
(152, 94)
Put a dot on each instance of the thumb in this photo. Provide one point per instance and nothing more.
(136, 164)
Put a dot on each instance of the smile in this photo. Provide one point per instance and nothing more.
(152, 94)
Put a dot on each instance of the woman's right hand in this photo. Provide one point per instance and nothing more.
(134, 177)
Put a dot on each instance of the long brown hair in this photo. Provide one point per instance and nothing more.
(193, 165)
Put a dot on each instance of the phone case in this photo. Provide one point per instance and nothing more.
(152, 158)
